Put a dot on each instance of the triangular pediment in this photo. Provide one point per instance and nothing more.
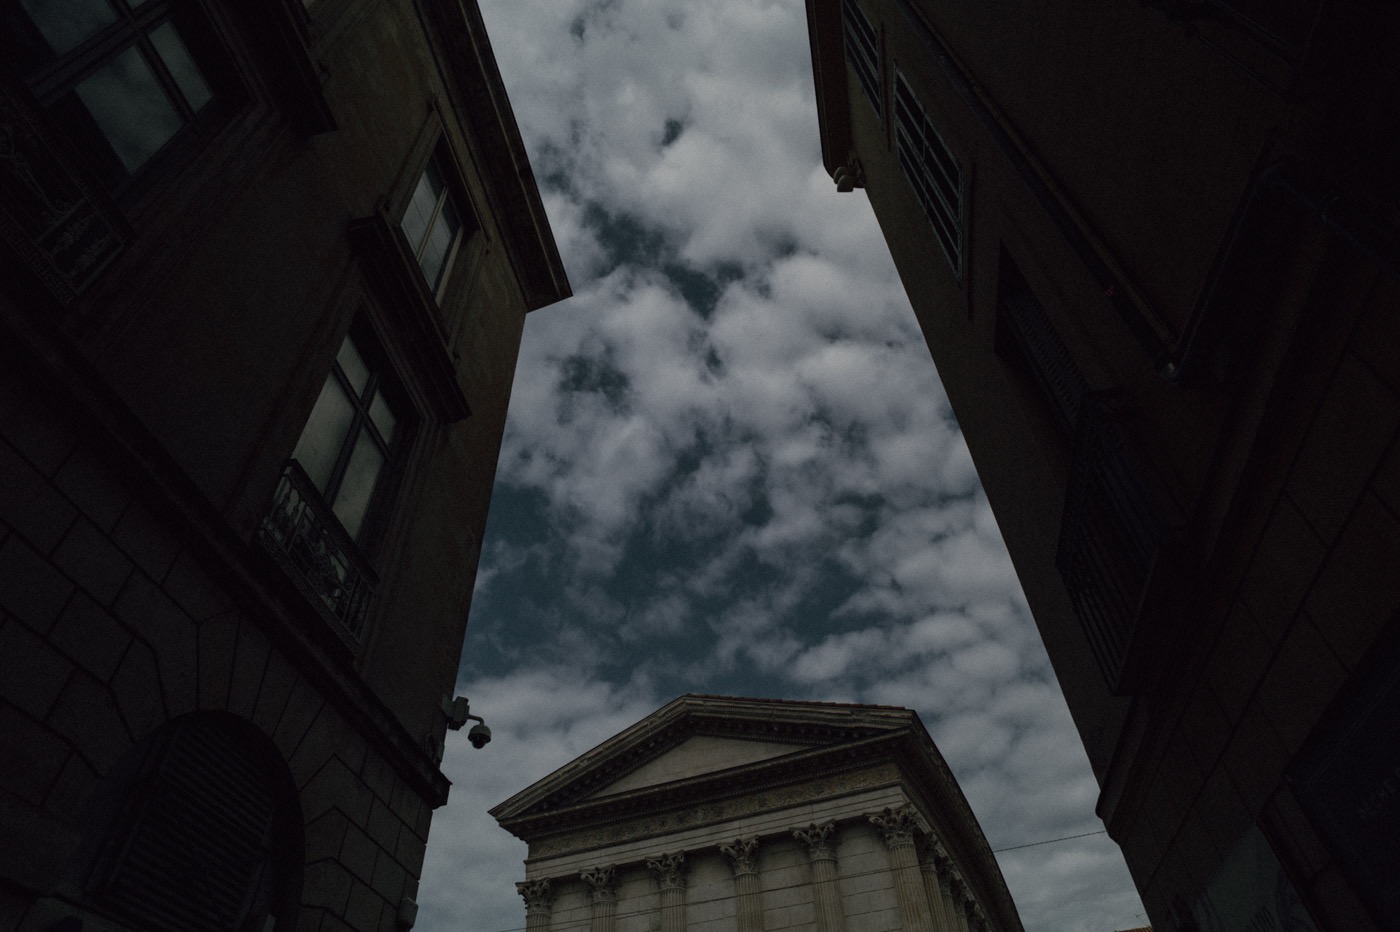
(696, 736)
(698, 755)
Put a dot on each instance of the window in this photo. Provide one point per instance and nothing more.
(433, 223)
(863, 52)
(122, 78)
(349, 439)
(931, 169)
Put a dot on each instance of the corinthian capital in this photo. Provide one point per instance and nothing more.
(669, 869)
(603, 882)
(538, 894)
(819, 839)
(742, 855)
(897, 825)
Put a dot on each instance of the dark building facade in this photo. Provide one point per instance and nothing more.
(264, 274)
(1152, 249)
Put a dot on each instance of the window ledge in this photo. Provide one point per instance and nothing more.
(394, 272)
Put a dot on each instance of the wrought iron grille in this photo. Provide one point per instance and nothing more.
(1111, 537)
(305, 538)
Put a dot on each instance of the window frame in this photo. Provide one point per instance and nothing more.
(380, 382)
(860, 40)
(53, 81)
(949, 226)
(435, 144)
(446, 197)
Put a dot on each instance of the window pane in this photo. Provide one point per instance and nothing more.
(383, 418)
(325, 433)
(353, 366)
(66, 23)
(435, 255)
(131, 108)
(357, 486)
(419, 213)
(171, 49)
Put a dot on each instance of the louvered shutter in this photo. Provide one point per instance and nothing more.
(196, 855)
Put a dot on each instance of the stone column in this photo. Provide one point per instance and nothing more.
(930, 852)
(898, 827)
(602, 881)
(670, 876)
(539, 897)
(821, 850)
(743, 858)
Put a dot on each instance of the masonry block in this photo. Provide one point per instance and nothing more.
(86, 714)
(1288, 557)
(72, 790)
(146, 540)
(217, 640)
(31, 589)
(40, 434)
(1359, 414)
(1358, 591)
(32, 673)
(30, 504)
(334, 786)
(276, 687)
(379, 776)
(383, 825)
(326, 884)
(325, 835)
(170, 633)
(92, 561)
(303, 707)
(389, 876)
(409, 850)
(1300, 683)
(249, 665)
(194, 590)
(365, 908)
(33, 758)
(136, 686)
(93, 487)
(90, 636)
(358, 852)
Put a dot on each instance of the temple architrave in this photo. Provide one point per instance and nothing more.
(717, 813)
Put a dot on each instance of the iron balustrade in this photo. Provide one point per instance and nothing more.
(306, 539)
(1112, 539)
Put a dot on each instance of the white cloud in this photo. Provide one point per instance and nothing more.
(792, 442)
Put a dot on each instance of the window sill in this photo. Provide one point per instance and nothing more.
(392, 270)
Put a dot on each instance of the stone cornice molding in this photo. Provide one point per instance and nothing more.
(742, 855)
(897, 826)
(602, 882)
(669, 870)
(820, 841)
(537, 894)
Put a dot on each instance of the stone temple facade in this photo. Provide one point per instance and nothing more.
(717, 814)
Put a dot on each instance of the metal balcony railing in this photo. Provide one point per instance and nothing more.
(303, 535)
(1112, 538)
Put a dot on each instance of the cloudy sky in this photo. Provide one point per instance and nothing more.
(729, 465)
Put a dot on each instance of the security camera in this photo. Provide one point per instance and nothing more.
(479, 735)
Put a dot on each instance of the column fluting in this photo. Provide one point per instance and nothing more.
(898, 826)
(821, 851)
(742, 855)
(602, 882)
(670, 877)
(539, 898)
